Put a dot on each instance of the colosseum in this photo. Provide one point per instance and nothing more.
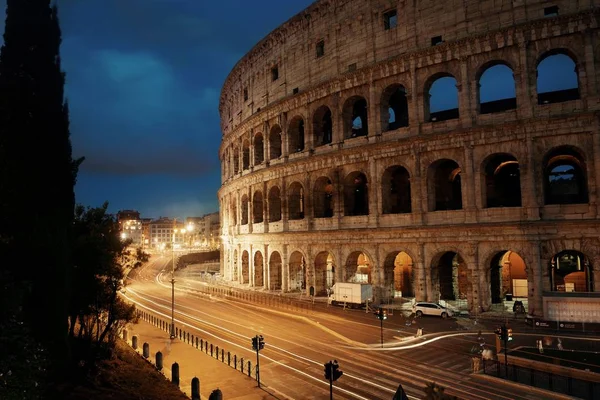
(441, 151)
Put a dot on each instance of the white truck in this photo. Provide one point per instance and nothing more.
(351, 294)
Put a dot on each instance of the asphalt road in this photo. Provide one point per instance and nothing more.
(299, 342)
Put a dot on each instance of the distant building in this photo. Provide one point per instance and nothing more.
(166, 232)
(130, 226)
(203, 231)
(146, 231)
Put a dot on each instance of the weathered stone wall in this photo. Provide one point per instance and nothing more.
(475, 34)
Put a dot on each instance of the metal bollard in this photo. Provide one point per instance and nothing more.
(159, 361)
(192, 340)
(229, 359)
(125, 335)
(249, 367)
(175, 373)
(196, 341)
(216, 395)
(146, 350)
(217, 351)
(201, 344)
(195, 389)
(188, 338)
(235, 361)
(211, 350)
(134, 342)
(222, 355)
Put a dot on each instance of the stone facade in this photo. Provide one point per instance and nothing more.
(336, 168)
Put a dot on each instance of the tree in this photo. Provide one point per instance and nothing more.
(37, 173)
(98, 255)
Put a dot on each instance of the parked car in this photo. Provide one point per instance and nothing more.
(423, 308)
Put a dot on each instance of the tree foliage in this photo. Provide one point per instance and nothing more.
(99, 255)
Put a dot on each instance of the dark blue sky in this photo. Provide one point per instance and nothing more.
(143, 83)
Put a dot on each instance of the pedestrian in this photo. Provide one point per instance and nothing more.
(559, 344)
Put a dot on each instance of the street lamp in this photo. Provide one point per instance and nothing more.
(175, 230)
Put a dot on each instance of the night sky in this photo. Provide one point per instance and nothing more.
(143, 84)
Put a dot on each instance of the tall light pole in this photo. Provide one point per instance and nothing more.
(173, 282)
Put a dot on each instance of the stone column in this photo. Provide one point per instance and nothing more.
(309, 140)
(265, 207)
(420, 281)
(529, 196)
(526, 94)
(473, 298)
(266, 268)
(285, 269)
(250, 209)
(374, 185)
(374, 120)
(469, 196)
(535, 275)
(431, 289)
(284, 204)
(266, 147)
(337, 136)
(282, 119)
(416, 186)
(464, 105)
(415, 115)
(594, 186)
(590, 67)
(251, 155)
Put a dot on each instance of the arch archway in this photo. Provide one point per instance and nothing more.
(297, 272)
(275, 142)
(234, 270)
(246, 155)
(571, 271)
(296, 201)
(354, 115)
(398, 274)
(358, 268)
(274, 204)
(441, 98)
(275, 275)
(356, 194)
(245, 210)
(257, 207)
(323, 275)
(259, 149)
(565, 176)
(236, 161)
(322, 126)
(444, 186)
(323, 198)
(502, 181)
(258, 270)
(508, 275)
(245, 267)
(395, 191)
(557, 77)
(394, 108)
(449, 275)
(497, 90)
(296, 135)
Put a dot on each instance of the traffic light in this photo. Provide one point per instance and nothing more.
(381, 314)
(261, 342)
(509, 332)
(336, 372)
(328, 370)
(258, 343)
(498, 332)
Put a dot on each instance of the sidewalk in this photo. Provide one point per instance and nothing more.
(192, 362)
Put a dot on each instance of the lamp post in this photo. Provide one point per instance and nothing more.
(175, 230)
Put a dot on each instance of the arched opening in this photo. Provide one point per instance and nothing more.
(358, 268)
(296, 135)
(508, 277)
(502, 181)
(395, 191)
(354, 115)
(441, 99)
(297, 272)
(236, 161)
(245, 267)
(275, 142)
(398, 275)
(445, 184)
(571, 271)
(245, 210)
(234, 270)
(565, 177)
(296, 201)
(324, 273)
(233, 213)
(322, 126)
(496, 89)
(356, 194)
(258, 269)
(394, 108)
(323, 198)
(274, 204)
(275, 271)
(246, 155)
(259, 149)
(449, 274)
(257, 207)
(557, 77)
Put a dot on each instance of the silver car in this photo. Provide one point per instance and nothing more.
(423, 308)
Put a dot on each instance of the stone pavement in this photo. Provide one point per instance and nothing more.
(193, 362)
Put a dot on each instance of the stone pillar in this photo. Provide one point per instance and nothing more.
(282, 119)
(464, 103)
(415, 116)
(374, 120)
(309, 140)
(594, 186)
(266, 268)
(529, 196)
(374, 187)
(469, 196)
(590, 67)
(266, 147)
(535, 275)
(251, 155)
(526, 94)
(337, 120)
(265, 207)
(285, 214)
(420, 274)
(431, 288)
(473, 297)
